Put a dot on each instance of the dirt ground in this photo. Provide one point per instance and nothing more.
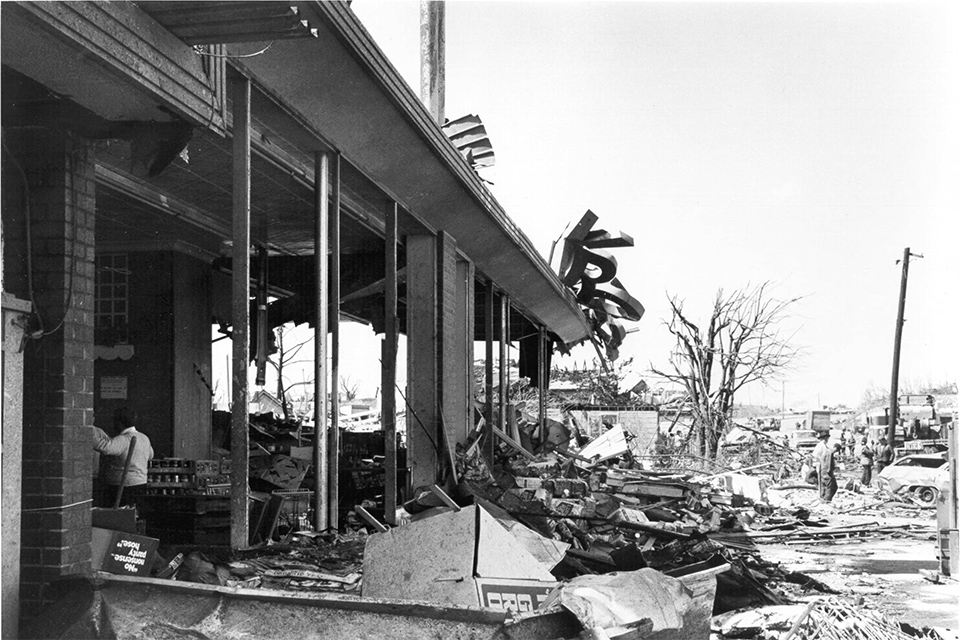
(880, 571)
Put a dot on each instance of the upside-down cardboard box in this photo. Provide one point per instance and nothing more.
(465, 557)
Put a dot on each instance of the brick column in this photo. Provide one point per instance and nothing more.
(58, 368)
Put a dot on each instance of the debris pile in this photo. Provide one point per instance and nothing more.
(308, 562)
(826, 619)
(591, 542)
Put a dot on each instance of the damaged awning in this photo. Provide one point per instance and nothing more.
(230, 22)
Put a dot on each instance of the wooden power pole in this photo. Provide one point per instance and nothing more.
(895, 376)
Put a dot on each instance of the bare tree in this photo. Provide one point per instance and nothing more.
(741, 344)
(348, 388)
(284, 357)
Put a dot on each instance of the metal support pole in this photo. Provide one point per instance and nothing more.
(488, 334)
(504, 357)
(388, 367)
(334, 453)
(321, 204)
(895, 376)
(262, 297)
(543, 372)
(239, 427)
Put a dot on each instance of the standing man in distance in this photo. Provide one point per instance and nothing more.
(866, 455)
(884, 454)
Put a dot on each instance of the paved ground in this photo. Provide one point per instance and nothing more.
(883, 570)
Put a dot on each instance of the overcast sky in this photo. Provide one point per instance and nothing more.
(805, 144)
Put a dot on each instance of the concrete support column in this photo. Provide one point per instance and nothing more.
(423, 434)
(240, 303)
(450, 354)
(58, 367)
(15, 313)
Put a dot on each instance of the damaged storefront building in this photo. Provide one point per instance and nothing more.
(173, 167)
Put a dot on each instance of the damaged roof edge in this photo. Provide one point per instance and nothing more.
(354, 36)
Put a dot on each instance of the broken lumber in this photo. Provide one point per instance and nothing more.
(373, 522)
(513, 443)
(447, 500)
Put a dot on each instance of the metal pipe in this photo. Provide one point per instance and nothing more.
(488, 334)
(321, 204)
(334, 453)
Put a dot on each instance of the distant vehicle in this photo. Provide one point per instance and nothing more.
(802, 439)
(916, 473)
(800, 429)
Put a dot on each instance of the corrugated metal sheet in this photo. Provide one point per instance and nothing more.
(470, 137)
(229, 22)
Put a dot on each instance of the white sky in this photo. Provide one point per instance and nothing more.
(805, 144)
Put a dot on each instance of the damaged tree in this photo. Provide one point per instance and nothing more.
(741, 344)
(285, 357)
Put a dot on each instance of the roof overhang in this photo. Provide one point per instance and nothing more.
(342, 84)
(332, 81)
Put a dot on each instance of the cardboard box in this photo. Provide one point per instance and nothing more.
(463, 557)
(122, 553)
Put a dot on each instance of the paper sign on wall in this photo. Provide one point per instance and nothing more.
(113, 387)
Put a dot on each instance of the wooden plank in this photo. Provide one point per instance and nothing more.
(447, 500)
(145, 192)
(321, 204)
(513, 443)
(388, 367)
(239, 430)
(373, 522)
(333, 475)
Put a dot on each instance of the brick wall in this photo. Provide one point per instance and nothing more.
(58, 368)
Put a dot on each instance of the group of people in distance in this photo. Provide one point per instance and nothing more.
(820, 467)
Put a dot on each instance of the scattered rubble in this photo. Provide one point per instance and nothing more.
(547, 532)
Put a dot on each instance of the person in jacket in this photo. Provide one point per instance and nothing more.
(866, 462)
(114, 452)
(884, 454)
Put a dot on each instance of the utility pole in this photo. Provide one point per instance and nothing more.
(895, 377)
(432, 57)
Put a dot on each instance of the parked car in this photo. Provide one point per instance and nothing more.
(802, 439)
(916, 473)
